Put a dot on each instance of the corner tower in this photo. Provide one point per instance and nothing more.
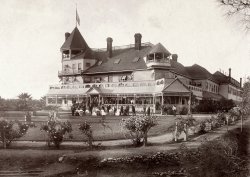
(76, 57)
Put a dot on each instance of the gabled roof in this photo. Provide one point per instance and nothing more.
(179, 68)
(223, 79)
(198, 72)
(75, 41)
(126, 62)
(159, 48)
(176, 86)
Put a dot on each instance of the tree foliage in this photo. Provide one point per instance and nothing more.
(12, 130)
(239, 8)
(86, 129)
(56, 131)
(138, 127)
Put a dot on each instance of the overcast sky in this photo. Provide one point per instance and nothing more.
(32, 32)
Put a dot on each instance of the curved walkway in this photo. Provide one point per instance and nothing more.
(161, 139)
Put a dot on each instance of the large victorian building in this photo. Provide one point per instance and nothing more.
(139, 73)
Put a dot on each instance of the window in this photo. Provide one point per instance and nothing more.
(136, 59)
(79, 66)
(88, 64)
(117, 61)
(73, 66)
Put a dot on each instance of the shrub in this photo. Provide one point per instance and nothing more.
(184, 111)
(168, 110)
(85, 128)
(138, 127)
(182, 125)
(56, 131)
(11, 130)
(220, 158)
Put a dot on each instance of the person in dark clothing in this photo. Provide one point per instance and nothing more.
(133, 110)
(121, 111)
(115, 109)
(108, 108)
(144, 110)
(73, 110)
(91, 108)
(148, 111)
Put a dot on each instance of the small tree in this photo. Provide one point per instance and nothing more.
(11, 130)
(138, 127)
(86, 129)
(56, 131)
(182, 125)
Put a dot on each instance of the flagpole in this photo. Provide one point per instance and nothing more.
(76, 14)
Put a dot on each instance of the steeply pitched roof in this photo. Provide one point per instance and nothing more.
(179, 68)
(223, 79)
(88, 53)
(176, 86)
(126, 63)
(198, 72)
(159, 48)
(75, 41)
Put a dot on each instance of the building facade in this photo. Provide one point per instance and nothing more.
(141, 74)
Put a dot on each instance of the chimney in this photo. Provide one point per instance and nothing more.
(109, 46)
(137, 41)
(240, 82)
(67, 34)
(229, 75)
(174, 57)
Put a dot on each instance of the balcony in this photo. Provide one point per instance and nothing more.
(197, 91)
(69, 72)
(158, 62)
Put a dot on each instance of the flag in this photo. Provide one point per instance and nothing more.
(77, 18)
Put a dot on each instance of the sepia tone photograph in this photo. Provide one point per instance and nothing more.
(135, 88)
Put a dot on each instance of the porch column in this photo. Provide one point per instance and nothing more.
(56, 100)
(154, 103)
(102, 100)
(70, 54)
(162, 103)
(67, 99)
(117, 101)
(189, 105)
(78, 99)
(154, 57)
(99, 99)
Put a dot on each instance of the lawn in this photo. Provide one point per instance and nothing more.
(99, 132)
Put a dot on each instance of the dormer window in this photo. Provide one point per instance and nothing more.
(136, 59)
(117, 61)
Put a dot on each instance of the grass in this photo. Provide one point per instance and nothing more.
(99, 132)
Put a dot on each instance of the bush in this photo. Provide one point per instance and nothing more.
(220, 158)
(11, 130)
(85, 128)
(168, 110)
(184, 111)
(56, 131)
(138, 127)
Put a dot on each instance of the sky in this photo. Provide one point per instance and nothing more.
(32, 32)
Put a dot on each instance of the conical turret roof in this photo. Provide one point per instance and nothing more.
(75, 41)
(159, 48)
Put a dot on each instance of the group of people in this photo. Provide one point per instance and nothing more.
(102, 110)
